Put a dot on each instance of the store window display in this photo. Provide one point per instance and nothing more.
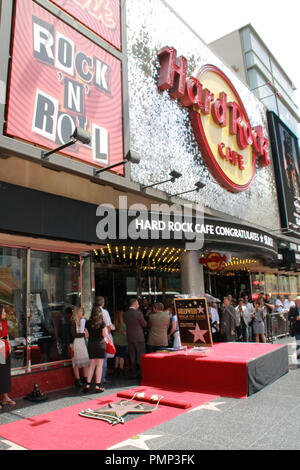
(54, 292)
(13, 298)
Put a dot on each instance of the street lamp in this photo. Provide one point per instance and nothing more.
(174, 176)
(132, 157)
(79, 135)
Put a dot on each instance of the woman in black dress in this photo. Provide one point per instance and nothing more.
(96, 348)
(5, 385)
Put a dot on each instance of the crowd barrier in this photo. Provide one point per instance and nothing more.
(277, 325)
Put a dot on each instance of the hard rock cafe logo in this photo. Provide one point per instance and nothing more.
(230, 147)
(214, 261)
(99, 9)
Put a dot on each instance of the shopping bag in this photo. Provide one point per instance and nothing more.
(110, 347)
(2, 352)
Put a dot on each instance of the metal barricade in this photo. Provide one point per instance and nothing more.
(276, 326)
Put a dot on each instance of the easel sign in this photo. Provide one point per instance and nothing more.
(194, 322)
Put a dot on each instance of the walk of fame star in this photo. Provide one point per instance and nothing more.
(114, 414)
(12, 445)
(122, 410)
(198, 334)
(137, 441)
(212, 406)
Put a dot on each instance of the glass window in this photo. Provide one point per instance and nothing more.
(54, 290)
(260, 51)
(252, 60)
(86, 285)
(131, 287)
(258, 284)
(271, 283)
(282, 80)
(246, 40)
(284, 285)
(286, 97)
(287, 117)
(13, 298)
(270, 103)
(294, 285)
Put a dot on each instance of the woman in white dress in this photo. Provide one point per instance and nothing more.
(78, 333)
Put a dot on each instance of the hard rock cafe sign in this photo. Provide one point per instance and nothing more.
(229, 145)
(214, 261)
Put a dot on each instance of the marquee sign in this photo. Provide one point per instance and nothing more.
(101, 16)
(230, 147)
(146, 226)
(60, 80)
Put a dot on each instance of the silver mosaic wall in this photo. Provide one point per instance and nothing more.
(161, 131)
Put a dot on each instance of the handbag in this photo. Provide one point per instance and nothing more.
(2, 352)
(71, 351)
(110, 347)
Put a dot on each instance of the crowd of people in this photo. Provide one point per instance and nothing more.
(134, 331)
(147, 328)
(246, 321)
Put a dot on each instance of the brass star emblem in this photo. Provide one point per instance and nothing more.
(114, 414)
(120, 410)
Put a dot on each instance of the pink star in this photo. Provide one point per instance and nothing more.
(198, 334)
(200, 310)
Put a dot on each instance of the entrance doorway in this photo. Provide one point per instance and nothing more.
(235, 283)
(116, 286)
(119, 285)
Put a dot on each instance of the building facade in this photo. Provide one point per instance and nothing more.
(247, 54)
(253, 61)
(83, 222)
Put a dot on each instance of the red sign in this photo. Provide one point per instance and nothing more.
(230, 147)
(60, 80)
(101, 16)
(214, 261)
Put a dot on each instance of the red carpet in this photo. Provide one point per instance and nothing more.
(223, 372)
(162, 400)
(65, 430)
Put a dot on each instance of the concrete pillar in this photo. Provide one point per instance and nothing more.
(192, 274)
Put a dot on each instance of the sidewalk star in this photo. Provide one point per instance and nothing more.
(137, 441)
(209, 406)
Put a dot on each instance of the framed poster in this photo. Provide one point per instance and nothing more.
(103, 17)
(285, 150)
(60, 80)
(194, 322)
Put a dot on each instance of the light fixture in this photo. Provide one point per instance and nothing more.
(132, 157)
(174, 176)
(79, 135)
(199, 185)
